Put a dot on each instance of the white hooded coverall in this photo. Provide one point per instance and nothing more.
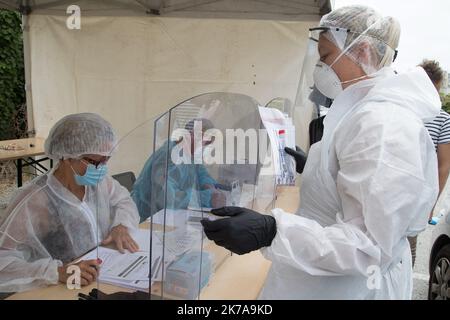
(366, 186)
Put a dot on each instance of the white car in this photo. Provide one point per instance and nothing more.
(439, 285)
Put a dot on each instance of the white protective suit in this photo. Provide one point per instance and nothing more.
(47, 226)
(366, 186)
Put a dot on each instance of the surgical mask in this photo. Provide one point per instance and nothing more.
(93, 175)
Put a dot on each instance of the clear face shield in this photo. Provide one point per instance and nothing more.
(309, 100)
(345, 40)
(309, 103)
(307, 93)
(208, 152)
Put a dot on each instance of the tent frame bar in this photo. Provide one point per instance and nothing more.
(27, 69)
(186, 5)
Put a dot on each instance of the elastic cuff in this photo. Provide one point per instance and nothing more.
(271, 229)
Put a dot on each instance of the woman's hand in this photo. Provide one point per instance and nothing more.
(88, 271)
(120, 236)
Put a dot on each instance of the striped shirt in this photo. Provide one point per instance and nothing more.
(439, 129)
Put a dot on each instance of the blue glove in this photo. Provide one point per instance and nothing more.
(243, 230)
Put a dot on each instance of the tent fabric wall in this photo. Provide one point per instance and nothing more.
(132, 69)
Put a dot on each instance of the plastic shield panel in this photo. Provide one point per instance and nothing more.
(282, 104)
(207, 152)
(211, 159)
(125, 269)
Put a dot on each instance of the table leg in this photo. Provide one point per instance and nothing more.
(19, 173)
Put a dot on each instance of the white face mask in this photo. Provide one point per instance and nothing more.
(327, 81)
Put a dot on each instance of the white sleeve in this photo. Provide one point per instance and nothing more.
(304, 244)
(19, 244)
(124, 209)
(17, 274)
(387, 182)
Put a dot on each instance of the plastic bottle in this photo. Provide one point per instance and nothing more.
(435, 220)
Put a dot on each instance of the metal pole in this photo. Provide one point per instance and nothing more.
(27, 66)
(19, 173)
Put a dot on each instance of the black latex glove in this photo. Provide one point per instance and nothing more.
(244, 231)
(299, 156)
(96, 294)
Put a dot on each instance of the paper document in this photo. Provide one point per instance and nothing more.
(130, 270)
(171, 217)
(142, 238)
(178, 242)
(281, 134)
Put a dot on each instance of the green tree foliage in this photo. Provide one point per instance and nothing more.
(446, 102)
(12, 78)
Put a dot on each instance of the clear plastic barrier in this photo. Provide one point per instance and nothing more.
(207, 152)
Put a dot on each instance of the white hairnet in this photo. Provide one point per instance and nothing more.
(79, 134)
(366, 29)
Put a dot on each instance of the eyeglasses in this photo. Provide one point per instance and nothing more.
(96, 163)
(315, 32)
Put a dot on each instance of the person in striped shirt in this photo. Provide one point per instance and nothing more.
(439, 130)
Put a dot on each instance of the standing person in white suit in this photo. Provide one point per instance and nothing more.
(365, 186)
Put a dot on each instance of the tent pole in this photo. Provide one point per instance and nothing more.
(27, 67)
(148, 9)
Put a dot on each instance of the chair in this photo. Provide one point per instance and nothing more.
(126, 179)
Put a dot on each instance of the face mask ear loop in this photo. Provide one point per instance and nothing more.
(362, 77)
(74, 170)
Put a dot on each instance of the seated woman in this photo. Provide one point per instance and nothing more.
(63, 214)
(187, 182)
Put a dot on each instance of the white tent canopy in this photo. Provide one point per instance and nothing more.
(246, 9)
(130, 65)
